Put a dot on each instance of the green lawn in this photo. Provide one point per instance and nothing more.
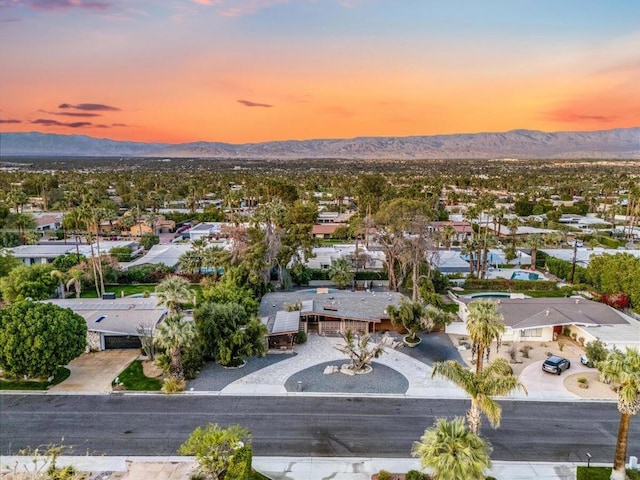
(62, 373)
(602, 473)
(133, 378)
(130, 289)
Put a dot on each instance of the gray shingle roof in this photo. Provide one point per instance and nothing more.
(368, 306)
(523, 313)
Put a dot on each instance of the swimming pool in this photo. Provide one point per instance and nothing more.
(489, 295)
(521, 275)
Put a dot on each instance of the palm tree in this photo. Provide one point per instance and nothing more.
(513, 225)
(173, 335)
(75, 280)
(497, 379)
(484, 324)
(173, 292)
(534, 242)
(409, 315)
(341, 272)
(452, 451)
(623, 369)
(448, 233)
(62, 278)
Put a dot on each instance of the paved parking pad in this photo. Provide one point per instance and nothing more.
(94, 372)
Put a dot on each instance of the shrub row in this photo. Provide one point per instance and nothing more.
(505, 284)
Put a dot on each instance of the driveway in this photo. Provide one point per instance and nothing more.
(547, 386)
(94, 372)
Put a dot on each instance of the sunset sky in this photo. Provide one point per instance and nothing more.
(256, 70)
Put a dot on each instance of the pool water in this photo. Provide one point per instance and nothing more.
(525, 276)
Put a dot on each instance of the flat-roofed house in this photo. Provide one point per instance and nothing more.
(327, 311)
(114, 323)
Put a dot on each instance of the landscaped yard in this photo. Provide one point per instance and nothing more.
(602, 473)
(61, 374)
(130, 290)
(133, 378)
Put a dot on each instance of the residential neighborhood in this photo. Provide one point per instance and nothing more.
(305, 292)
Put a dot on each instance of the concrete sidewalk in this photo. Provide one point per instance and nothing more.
(285, 468)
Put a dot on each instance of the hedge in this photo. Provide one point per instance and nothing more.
(505, 284)
(562, 269)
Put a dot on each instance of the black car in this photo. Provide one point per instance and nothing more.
(555, 364)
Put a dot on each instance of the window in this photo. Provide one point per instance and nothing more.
(533, 332)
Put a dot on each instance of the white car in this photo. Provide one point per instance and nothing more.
(585, 360)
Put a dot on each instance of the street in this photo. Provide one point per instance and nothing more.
(297, 426)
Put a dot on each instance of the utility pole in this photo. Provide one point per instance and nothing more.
(573, 263)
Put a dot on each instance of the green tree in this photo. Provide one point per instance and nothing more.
(148, 240)
(616, 273)
(215, 448)
(67, 261)
(7, 263)
(410, 315)
(173, 292)
(28, 282)
(230, 290)
(341, 273)
(173, 335)
(229, 333)
(623, 369)
(496, 379)
(596, 352)
(300, 274)
(38, 337)
(484, 324)
(453, 452)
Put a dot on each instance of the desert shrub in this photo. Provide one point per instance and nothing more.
(583, 380)
(513, 353)
(384, 475)
(566, 331)
(414, 475)
(173, 385)
(574, 336)
(240, 464)
(581, 341)
(596, 351)
(525, 351)
(301, 337)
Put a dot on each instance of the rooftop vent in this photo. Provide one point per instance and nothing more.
(100, 318)
(332, 308)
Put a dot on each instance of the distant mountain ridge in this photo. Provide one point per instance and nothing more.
(613, 144)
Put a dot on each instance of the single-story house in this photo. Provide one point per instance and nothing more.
(166, 254)
(327, 311)
(114, 323)
(543, 319)
(325, 230)
(463, 230)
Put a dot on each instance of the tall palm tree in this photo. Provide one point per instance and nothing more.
(173, 292)
(534, 242)
(452, 451)
(497, 379)
(484, 324)
(74, 280)
(623, 369)
(172, 335)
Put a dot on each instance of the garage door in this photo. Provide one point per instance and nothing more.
(121, 341)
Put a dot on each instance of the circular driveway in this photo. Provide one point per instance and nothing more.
(544, 385)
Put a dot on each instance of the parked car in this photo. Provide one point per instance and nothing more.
(555, 364)
(585, 361)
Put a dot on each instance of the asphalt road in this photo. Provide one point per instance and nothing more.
(297, 426)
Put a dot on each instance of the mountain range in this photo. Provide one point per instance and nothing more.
(614, 144)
